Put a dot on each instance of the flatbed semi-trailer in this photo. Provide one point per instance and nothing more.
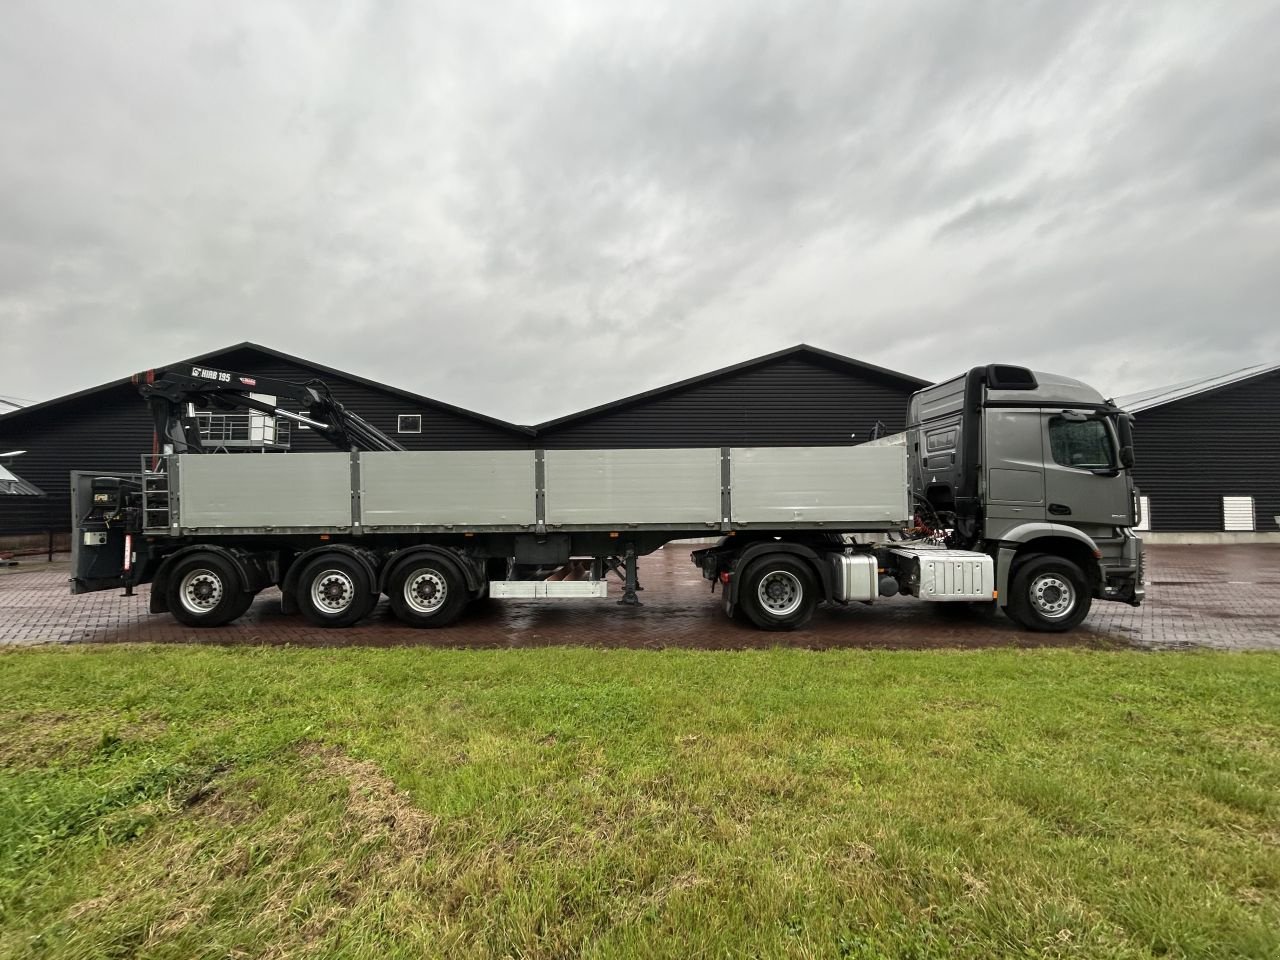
(979, 481)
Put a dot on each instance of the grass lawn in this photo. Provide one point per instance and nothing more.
(204, 802)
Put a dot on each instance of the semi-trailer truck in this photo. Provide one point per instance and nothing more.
(1009, 490)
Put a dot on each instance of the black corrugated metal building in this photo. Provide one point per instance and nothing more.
(795, 397)
(1208, 452)
(801, 396)
(108, 428)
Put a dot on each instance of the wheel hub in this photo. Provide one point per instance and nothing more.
(425, 591)
(780, 593)
(1052, 596)
(200, 591)
(333, 591)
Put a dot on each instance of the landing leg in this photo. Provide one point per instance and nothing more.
(630, 582)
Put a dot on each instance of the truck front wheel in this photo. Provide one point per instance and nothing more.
(1049, 594)
(778, 593)
(204, 591)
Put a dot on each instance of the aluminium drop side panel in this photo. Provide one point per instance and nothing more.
(828, 486)
(464, 488)
(622, 488)
(277, 490)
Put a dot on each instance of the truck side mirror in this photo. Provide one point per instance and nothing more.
(1125, 423)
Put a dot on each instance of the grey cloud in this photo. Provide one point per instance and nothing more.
(532, 208)
(986, 213)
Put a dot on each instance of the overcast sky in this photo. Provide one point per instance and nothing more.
(530, 208)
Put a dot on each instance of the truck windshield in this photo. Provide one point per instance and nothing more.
(1085, 444)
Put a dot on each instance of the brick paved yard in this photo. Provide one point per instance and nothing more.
(1225, 597)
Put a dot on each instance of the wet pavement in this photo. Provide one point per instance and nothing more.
(1224, 597)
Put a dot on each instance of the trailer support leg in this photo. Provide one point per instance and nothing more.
(629, 597)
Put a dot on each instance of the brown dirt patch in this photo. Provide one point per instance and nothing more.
(44, 737)
(217, 840)
(376, 808)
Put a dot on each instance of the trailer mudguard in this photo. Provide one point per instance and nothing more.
(474, 579)
(760, 548)
(288, 602)
(252, 572)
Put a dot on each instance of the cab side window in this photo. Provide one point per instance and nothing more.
(1081, 443)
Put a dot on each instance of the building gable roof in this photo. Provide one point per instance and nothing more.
(800, 350)
(1159, 396)
(288, 358)
(13, 485)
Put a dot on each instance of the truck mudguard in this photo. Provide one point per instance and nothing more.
(1026, 533)
(764, 547)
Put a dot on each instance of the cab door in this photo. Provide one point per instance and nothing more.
(1084, 483)
(1015, 475)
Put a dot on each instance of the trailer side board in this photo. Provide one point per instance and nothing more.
(862, 487)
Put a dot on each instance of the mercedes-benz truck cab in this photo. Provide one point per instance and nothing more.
(1034, 469)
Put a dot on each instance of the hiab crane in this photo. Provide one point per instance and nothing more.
(172, 393)
(1009, 489)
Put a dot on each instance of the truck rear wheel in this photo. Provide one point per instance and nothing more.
(203, 590)
(335, 591)
(778, 593)
(427, 593)
(1049, 594)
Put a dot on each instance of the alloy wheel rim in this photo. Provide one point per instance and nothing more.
(1052, 596)
(333, 591)
(200, 591)
(425, 591)
(780, 593)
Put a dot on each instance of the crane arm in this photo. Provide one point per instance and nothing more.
(168, 392)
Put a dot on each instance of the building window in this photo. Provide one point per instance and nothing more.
(1144, 514)
(409, 423)
(1080, 443)
(1237, 513)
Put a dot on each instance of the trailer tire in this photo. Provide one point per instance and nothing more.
(779, 592)
(204, 590)
(334, 591)
(1048, 594)
(427, 592)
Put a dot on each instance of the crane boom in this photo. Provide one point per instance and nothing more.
(169, 392)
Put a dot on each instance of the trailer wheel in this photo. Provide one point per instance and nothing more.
(1049, 594)
(204, 591)
(427, 593)
(334, 591)
(778, 593)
